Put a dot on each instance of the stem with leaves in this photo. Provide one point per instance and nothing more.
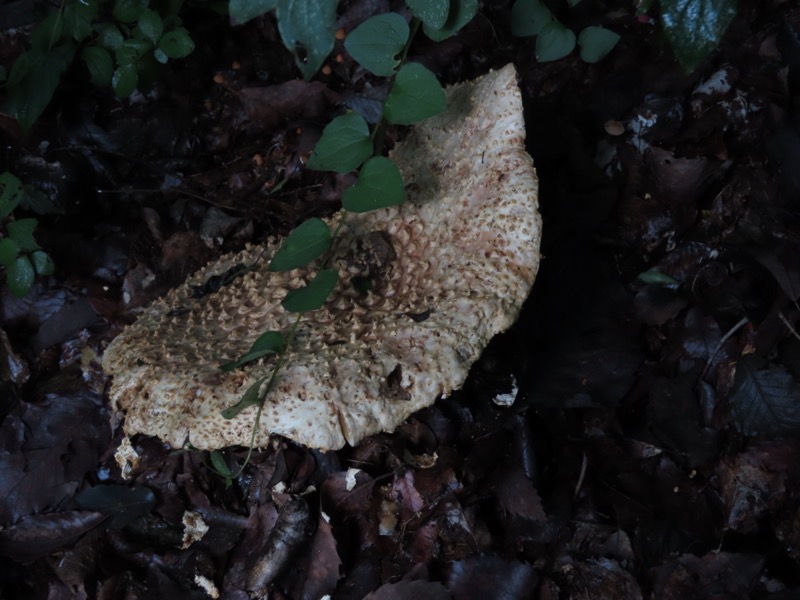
(381, 45)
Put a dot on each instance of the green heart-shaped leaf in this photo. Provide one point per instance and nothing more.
(307, 241)
(379, 185)
(314, 295)
(376, 43)
(344, 145)
(461, 12)
(432, 13)
(416, 95)
(553, 42)
(596, 42)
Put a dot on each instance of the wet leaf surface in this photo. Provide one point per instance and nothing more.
(650, 447)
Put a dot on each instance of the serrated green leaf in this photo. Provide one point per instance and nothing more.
(11, 194)
(129, 11)
(250, 398)
(8, 252)
(596, 42)
(345, 144)
(21, 231)
(553, 42)
(379, 185)
(241, 11)
(270, 342)
(695, 27)
(100, 64)
(150, 25)
(306, 242)
(124, 80)
(416, 95)
(42, 263)
(78, 17)
(376, 43)
(432, 13)
(109, 36)
(314, 295)
(529, 16)
(20, 276)
(308, 29)
(461, 12)
(176, 43)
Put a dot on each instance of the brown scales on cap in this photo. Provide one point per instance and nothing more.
(461, 258)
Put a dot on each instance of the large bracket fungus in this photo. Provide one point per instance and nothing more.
(449, 269)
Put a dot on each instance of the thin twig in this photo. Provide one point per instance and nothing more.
(744, 321)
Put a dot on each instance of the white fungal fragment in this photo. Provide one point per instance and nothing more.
(194, 528)
(126, 458)
(508, 399)
(205, 584)
(350, 479)
(450, 268)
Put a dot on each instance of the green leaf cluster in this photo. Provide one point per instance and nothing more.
(553, 40)
(20, 256)
(123, 51)
(693, 29)
(308, 29)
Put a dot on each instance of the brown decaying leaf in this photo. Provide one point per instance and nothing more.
(714, 575)
(402, 590)
(49, 446)
(756, 483)
(272, 106)
(486, 576)
(284, 540)
(36, 536)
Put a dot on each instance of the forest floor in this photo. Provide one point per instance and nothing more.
(653, 448)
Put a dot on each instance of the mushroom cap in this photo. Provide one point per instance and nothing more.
(450, 268)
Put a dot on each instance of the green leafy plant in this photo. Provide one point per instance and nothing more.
(693, 29)
(348, 143)
(553, 40)
(21, 257)
(121, 45)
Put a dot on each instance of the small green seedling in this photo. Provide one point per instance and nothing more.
(20, 256)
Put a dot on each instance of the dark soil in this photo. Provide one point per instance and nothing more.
(653, 449)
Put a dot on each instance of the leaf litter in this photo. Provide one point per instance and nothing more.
(652, 446)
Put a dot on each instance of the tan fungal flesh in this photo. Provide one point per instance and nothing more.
(450, 269)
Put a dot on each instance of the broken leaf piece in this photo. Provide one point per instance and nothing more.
(463, 249)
